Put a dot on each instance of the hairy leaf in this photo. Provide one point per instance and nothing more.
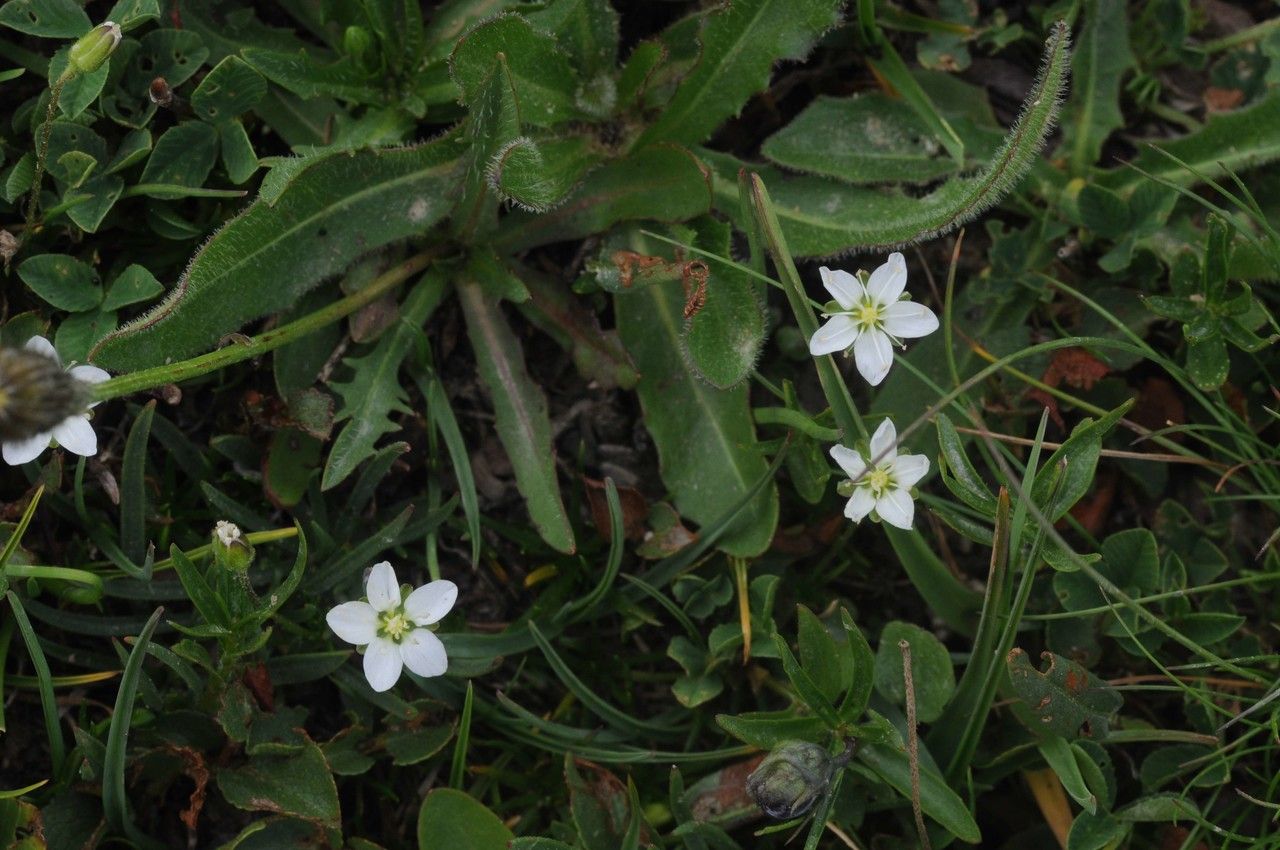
(723, 338)
(537, 176)
(741, 41)
(329, 213)
(1240, 140)
(870, 138)
(541, 71)
(662, 182)
(822, 218)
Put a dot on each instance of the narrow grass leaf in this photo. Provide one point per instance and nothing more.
(115, 799)
(133, 485)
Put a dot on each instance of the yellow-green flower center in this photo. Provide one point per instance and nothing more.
(867, 314)
(879, 480)
(395, 624)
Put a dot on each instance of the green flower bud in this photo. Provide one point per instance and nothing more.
(790, 779)
(231, 550)
(95, 47)
(36, 394)
(357, 42)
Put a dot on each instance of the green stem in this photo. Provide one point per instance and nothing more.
(194, 367)
(833, 387)
(1158, 597)
(254, 537)
(46, 130)
(1244, 36)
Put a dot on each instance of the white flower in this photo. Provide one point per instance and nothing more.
(885, 487)
(393, 627)
(871, 318)
(74, 433)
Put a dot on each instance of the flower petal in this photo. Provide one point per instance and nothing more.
(909, 320)
(424, 654)
(850, 461)
(381, 587)
(859, 504)
(382, 664)
(896, 508)
(845, 288)
(89, 374)
(909, 469)
(429, 603)
(76, 435)
(887, 282)
(354, 622)
(836, 335)
(884, 444)
(40, 345)
(18, 452)
(873, 354)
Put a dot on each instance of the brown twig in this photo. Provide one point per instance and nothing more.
(1159, 456)
(913, 743)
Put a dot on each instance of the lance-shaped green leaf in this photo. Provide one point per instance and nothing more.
(541, 71)
(309, 77)
(1074, 462)
(741, 41)
(374, 391)
(1102, 56)
(821, 217)
(586, 29)
(870, 138)
(494, 123)
(661, 182)
(597, 353)
(768, 729)
(520, 410)
(330, 213)
(707, 448)
(1065, 699)
(936, 798)
(1229, 141)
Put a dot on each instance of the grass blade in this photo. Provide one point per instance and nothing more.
(57, 744)
(115, 803)
(133, 485)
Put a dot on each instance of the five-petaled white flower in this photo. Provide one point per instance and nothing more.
(73, 432)
(871, 317)
(884, 487)
(393, 626)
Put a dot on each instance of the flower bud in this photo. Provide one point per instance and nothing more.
(95, 47)
(357, 42)
(36, 394)
(790, 779)
(231, 550)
